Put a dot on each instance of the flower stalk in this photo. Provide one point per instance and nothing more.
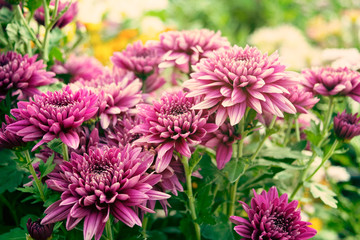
(33, 173)
(45, 46)
(65, 151)
(108, 230)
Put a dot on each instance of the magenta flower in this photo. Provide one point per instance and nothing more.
(117, 95)
(38, 231)
(65, 19)
(222, 139)
(8, 139)
(80, 67)
(172, 125)
(272, 217)
(22, 75)
(107, 181)
(52, 115)
(187, 47)
(330, 81)
(346, 126)
(301, 99)
(237, 78)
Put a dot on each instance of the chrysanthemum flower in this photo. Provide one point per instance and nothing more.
(301, 99)
(38, 231)
(172, 124)
(107, 181)
(117, 95)
(272, 217)
(80, 67)
(330, 81)
(22, 75)
(52, 115)
(237, 78)
(65, 19)
(346, 126)
(184, 48)
(8, 139)
(222, 139)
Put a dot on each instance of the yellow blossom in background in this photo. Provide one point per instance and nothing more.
(323, 31)
(317, 223)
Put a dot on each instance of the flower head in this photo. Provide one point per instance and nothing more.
(236, 78)
(22, 74)
(346, 126)
(172, 125)
(222, 139)
(80, 67)
(52, 115)
(301, 99)
(64, 19)
(39, 231)
(330, 81)
(105, 181)
(117, 95)
(272, 217)
(181, 48)
(8, 139)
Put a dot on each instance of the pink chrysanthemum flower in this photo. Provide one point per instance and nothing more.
(184, 48)
(8, 139)
(65, 19)
(330, 81)
(117, 95)
(172, 124)
(80, 67)
(52, 115)
(222, 139)
(107, 181)
(22, 75)
(346, 126)
(272, 217)
(301, 99)
(237, 78)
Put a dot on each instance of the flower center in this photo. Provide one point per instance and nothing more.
(101, 172)
(178, 110)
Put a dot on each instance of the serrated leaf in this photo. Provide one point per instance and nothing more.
(13, 32)
(5, 15)
(324, 193)
(299, 146)
(55, 145)
(14, 234)
(48, 167)
(313, 134)
(32, 5)
(318, 151)
(281, 153)
(55, 36)
(10, 172)
(235, 169)
(264, 162)
(195, 159)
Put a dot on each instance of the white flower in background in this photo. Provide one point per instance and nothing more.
(92, 11)
(293, 47)
(338, 174)
(341, 57)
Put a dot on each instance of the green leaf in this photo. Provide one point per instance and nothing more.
(14, 234)
(48, 167)
(313, 134)
(55, 145)
(299, 146)
(56, 53)
(220, 230)
(324, 193)
(195, 159)
(235, 169)
(204, 200)
(13, 32)
(10, 172)
(32, 5)
(52, 88)
(6, 15)
(318, 151)
(55, 36)
(281, 153)
(263, 162)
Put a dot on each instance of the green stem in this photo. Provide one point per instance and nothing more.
(190, 195)
(288, 131)
(297, 128)
(108, 230)
(33, 173)
(65, 151)
(144, 226)
(23, 20)
(328, 115)
(45, 46)
(53, 16)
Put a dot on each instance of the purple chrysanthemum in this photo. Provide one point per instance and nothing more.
(117, 95)
(272, 217)
(38, 231)
(237, 78)
(52, 115)
(8, 139)
(346, 126)
(222, 139)
(184, 48)
(107, 181)
(330, 81)
(172, 125)
(22, 75)
(80, 67)
(301, 99)
(65, 19)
